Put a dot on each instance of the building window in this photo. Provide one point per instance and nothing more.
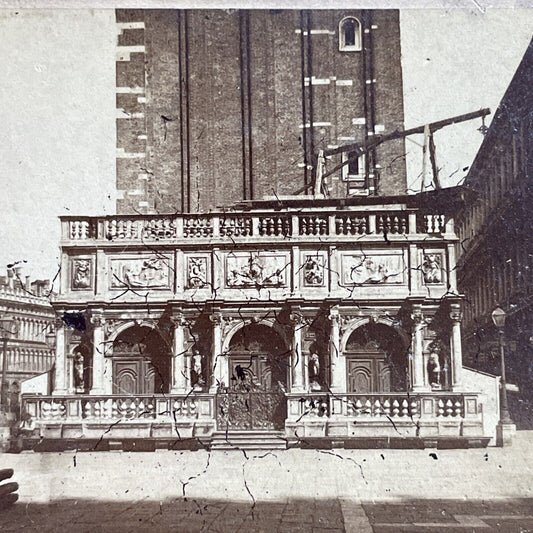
(355, 169)
(349, 35)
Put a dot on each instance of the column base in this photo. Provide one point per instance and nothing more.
(59, 392)
(96, 392)
(505, 432)
(421, 388)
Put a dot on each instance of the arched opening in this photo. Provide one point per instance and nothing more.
(141, 362)
(258, 359)
(258, 368)
(377, 360)
(349, 35)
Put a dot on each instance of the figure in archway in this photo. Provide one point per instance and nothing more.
(314, 368)
(197, 376)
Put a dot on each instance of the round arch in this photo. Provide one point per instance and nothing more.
(271, 323)
(141, 360)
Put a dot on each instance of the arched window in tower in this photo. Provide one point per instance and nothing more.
(349, 35)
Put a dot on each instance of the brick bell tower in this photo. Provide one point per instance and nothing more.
(214, 106)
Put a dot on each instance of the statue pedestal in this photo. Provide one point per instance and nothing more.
(505, 432)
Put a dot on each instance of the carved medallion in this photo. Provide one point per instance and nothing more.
(82, 274)
(149, 273)
(432, 268)
(313, 271)
(196, 272)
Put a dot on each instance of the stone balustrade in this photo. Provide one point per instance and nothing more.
(330, 223)
(438, 405)
(74, 408)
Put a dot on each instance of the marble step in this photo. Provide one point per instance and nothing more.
(249, 440)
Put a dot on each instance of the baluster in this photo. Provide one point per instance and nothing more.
(377, 408)
(405, 408)
(97, 409)
(395, 225)
(449, 408)
(368, 407)
(386, 407)
(403, 225)
(458, 408)
(358, 407)
(440, 408)
(395, 408)
(380, 224)
(414, 408)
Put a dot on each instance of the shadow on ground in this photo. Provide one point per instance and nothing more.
(305, 516)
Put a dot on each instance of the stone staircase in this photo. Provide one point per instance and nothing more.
(249, 440)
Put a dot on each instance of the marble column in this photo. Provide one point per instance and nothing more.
(417, 350)
(298, 361)
(180, 380)
(337, 362)
(455, 344)
(60, 378)
(97, 322)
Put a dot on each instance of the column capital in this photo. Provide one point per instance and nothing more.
(217, 318)
(178, 320)
(334, 316)
(97, 321)
(417, 316)
(456, 314)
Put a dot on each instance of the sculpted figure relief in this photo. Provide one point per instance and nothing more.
(197, 375)
(432, 268)
(313, 271)
(81, 274)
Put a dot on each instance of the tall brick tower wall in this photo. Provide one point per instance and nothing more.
(218, 106)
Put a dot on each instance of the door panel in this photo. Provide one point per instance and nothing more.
(126, 375)
(368, 373)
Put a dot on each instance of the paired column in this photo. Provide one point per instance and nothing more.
(456, 316)
(181, 378)
(98, 322)
(298, 363)
(61, 376)
(338, 364)
(417, 350)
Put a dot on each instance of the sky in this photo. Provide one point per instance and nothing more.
(57, 117)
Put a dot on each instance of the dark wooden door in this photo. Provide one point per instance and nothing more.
(368, 373)
(255, 370)
(134, 376)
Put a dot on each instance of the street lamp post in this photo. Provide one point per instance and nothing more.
(505, 425)
(7, 329)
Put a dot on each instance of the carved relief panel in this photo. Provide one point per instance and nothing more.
(313, 269)
(257, 269)
(197, 271)
(433, 267)
(81, 273)
(146, 272)
(374, 267)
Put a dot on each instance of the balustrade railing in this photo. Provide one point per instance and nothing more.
(117, 407)
(332, 223)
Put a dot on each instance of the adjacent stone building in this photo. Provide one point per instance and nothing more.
(28, 304)
(220, 309)
(496, 251)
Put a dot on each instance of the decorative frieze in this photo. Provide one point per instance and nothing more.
(151, 272)
(257, 270)
(372, 268)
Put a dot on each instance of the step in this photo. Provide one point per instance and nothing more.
(249, 440)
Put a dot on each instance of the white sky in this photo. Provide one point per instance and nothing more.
(57, 117)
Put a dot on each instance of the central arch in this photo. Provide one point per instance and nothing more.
(258, 358)
(141, 362)
(259, 363)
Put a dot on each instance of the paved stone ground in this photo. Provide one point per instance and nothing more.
(362, 491)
